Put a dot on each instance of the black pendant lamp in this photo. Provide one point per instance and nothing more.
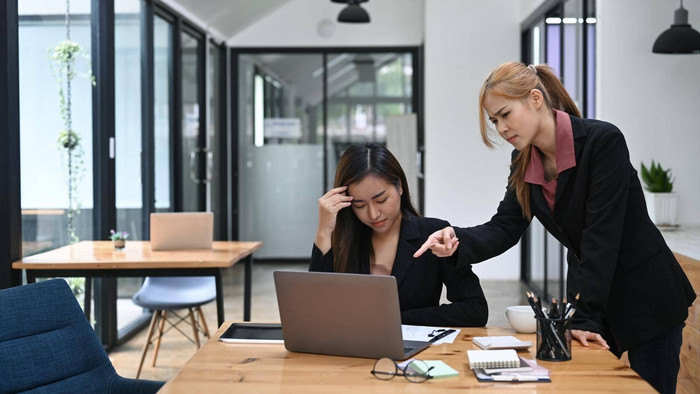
(353, 13)
(680, 38)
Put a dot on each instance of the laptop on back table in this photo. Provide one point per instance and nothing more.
(342, 314)
(182, 230)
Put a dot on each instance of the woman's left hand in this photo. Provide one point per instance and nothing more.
(585, 336)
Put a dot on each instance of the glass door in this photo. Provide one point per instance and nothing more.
(367, 95)
(128, 144)
(193, 154)
(297, 112)
(280, 155)
(163, 112)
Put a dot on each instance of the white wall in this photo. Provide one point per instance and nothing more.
(654, 99)
(393, 23)
(464, 41)
(527, 7)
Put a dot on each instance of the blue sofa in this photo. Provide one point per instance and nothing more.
(47, 345)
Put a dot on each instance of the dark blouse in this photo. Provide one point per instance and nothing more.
(420, 280)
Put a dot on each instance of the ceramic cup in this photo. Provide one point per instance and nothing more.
(521, 318)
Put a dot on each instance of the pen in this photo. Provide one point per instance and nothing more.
(441, 335)
(554, 312)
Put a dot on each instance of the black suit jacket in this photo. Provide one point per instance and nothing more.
(420, 280)
(632, 288)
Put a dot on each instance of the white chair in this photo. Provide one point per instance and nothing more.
(169, 294)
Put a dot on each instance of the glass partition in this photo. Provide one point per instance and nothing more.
(192, 198)
(127, 131)
(288, 154)
(216, 185)
(56, 166)
(364, 89)
(163, 80)
(280, 158)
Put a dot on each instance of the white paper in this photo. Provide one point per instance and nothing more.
(423, 333)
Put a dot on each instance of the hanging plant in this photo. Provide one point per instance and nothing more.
(62, 59)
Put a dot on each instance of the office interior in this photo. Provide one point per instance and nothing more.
(242, 107)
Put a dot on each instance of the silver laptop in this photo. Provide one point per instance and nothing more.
(342, 314)
(182, 230)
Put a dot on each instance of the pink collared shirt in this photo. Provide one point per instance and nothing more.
(565, 156)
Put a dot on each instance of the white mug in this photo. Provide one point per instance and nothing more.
(521, 318)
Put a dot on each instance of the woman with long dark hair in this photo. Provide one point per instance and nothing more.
(367, 224)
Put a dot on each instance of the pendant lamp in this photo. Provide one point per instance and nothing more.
(353, 13)
(681, 38)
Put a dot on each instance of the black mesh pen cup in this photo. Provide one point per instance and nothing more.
(553, 339)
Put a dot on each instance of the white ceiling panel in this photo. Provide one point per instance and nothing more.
(225, 17)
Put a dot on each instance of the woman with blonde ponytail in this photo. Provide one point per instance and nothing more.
(575, 176)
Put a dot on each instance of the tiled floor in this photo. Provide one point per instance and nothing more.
(176, 349)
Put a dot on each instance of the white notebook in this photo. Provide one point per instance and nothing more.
(504, 358)
(501, 342)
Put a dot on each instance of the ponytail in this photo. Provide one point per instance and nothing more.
(515, 80)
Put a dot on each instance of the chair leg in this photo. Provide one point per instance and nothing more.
(163, 314)
(204, 322)
(195, 330)
(148, 342)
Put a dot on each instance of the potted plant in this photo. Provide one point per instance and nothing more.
(118, 238)
(662, 203)
(62, 59)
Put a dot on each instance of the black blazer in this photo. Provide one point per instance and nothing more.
(632, 288)
(420, 280)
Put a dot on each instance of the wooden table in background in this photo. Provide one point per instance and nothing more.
(220, 367)
(99, 259)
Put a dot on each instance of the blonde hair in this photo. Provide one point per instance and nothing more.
(515, 80)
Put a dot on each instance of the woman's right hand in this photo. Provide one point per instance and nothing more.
(328, 207)
(443, 243)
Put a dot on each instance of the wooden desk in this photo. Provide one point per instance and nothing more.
(100, 259)
(227, 367)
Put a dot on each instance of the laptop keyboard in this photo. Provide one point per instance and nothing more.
(407, 350)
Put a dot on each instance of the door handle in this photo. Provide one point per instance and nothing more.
(193, 165)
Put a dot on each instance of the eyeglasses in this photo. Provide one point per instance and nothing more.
(415, 371)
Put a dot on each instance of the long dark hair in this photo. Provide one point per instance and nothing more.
(515, 80)
(351, 238)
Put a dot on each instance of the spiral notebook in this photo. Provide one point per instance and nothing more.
(502, 358)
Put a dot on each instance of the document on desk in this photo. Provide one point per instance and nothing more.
(434, 335)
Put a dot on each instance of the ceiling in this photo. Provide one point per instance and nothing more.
(225, 18)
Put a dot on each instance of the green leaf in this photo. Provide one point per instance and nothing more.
(656, 179)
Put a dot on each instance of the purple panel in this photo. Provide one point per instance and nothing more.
(570, 60)
(553, 58)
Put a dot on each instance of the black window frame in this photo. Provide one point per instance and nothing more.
(10, 203)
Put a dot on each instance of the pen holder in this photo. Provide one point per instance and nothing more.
(553, 339)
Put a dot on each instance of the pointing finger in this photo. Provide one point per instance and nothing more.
(427, 245)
